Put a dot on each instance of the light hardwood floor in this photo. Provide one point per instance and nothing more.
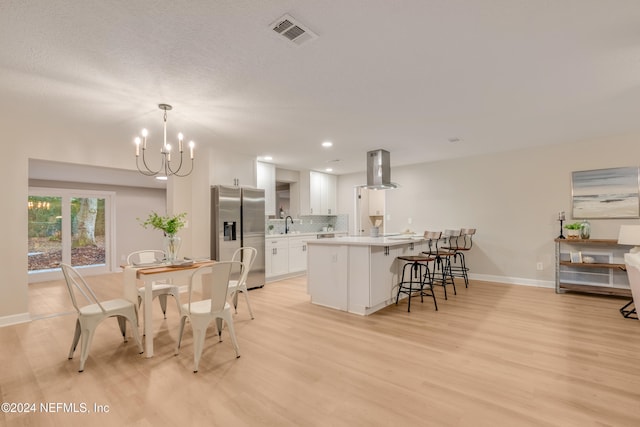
(494, 355)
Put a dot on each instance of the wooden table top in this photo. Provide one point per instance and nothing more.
(143, 271)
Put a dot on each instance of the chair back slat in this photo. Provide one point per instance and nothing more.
(247, 255)
(467, 236)
(215, 282)
(432, 238)
(77, 285)
(147, 256)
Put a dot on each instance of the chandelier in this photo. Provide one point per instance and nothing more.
(167, 167)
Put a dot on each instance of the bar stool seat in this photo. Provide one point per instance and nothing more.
(420, 279)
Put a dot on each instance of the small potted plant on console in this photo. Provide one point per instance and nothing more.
(573, 230)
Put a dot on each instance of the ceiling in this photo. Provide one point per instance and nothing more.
(407, 76)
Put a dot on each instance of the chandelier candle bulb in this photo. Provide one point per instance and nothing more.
(191, 145)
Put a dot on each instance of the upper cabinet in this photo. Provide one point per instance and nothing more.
(266, 179)
(318, 194)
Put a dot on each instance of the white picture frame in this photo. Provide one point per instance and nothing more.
(576, 257)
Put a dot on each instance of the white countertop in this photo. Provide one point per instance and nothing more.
(296, 234)
(367, 241)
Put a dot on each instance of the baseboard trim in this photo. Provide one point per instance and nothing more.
(14, 319)
(514, 280)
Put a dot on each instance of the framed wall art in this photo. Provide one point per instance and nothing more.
(606, 193)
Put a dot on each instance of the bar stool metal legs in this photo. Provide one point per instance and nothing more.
(445, 278)
(420, 279)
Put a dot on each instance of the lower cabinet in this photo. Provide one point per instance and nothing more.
(373, 277)
(385, 269)
(276, 257)
(297, 254)
(285, 256)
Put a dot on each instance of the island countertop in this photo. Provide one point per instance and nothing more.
(368, 241)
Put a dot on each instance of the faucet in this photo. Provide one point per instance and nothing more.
(286, 224)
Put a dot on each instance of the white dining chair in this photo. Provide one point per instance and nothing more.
(201, 312)
(159, 289)
(92, 314)
(247, 255)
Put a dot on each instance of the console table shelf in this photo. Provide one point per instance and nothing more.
(599, 247)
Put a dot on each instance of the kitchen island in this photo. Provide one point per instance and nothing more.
(357, 274)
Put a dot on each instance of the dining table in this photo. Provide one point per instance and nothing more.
(150, 274)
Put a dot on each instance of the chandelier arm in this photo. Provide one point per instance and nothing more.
(149, 171)
(185, 174)
(173, 172)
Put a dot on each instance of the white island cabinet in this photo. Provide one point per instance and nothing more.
(355, 274)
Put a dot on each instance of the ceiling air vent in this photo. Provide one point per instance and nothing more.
(293, 30)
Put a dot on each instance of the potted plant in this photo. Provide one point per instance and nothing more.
(573, 230)
(270, 228)
(170, 225)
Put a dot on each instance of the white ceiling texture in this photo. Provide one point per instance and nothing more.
(408, 76)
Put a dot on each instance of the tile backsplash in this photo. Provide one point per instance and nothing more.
(310, 223)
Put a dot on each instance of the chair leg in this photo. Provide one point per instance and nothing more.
(232, 332)
(183, 320)
(76, 338)
(132, 317)
(219, 325)
(86, 337)
(441, 265)
(199, 333)
(122, 322)
(163, 304)
(427, 279)
(246, 296)
(177, 298)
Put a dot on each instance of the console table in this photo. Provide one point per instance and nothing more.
(605, 276)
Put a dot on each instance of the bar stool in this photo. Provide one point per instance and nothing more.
(420, 276)
(443, 257)
(463, 243)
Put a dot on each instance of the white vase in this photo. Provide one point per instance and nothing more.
(171, 247)
(573, 234)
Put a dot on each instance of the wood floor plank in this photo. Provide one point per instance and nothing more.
(492, 355)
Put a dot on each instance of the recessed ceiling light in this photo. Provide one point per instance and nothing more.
(268, 158)
(327, 144)
(329, 170)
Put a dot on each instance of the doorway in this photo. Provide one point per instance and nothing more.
(370, 210)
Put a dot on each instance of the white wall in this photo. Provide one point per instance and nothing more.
(512, 198)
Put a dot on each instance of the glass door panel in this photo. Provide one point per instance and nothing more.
(87, 231)
(44, 232)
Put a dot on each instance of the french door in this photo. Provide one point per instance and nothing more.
(70, 226)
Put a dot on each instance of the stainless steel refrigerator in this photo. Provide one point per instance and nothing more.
(237, 220)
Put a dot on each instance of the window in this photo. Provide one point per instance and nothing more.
(70, 226)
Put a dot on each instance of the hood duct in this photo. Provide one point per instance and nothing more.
(379, 170)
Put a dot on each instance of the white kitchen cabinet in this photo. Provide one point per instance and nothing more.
(276, 256)
(327, 280)
(318, 194)
(384, 267)
(266, 179)
(297, 254)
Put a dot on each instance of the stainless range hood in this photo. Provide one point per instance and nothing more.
(379, 170)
